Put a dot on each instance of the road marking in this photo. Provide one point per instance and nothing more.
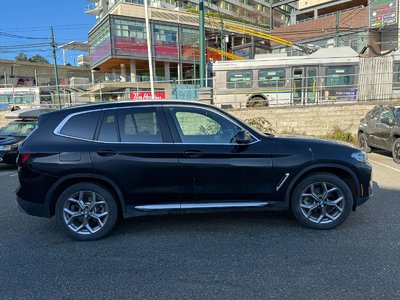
(12, 175)
(383, 165)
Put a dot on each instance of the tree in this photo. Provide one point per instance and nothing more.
(21, 57)
(39, 59)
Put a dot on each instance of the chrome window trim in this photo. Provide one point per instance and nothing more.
(57, 130)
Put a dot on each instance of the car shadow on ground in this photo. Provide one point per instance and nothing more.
(7, 167)
(382, 152)
(207, 222)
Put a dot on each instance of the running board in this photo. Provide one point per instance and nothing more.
(201, 205)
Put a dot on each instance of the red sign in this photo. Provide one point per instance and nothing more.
(147, 96)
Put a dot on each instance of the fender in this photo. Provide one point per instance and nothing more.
(318, 166)
(49, 198)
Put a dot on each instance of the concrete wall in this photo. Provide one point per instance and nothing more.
(3, 121)
(310, 120)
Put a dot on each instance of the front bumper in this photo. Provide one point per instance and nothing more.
(8, 157)
(34, 209)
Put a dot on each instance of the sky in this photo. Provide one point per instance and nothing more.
(23, 24)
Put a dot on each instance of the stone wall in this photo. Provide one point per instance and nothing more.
(310, 120)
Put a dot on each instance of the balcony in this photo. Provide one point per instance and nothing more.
(94, 9)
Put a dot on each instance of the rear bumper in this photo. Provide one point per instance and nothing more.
(33, 209)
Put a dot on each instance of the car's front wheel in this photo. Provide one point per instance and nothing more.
(86, 211)
(396, 151)
(322, 201)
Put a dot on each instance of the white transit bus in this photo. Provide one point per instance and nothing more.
(326, 75)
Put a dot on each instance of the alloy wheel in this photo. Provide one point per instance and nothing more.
(85, 212)
(322, 202)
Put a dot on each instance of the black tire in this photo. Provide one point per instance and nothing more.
(309, 207)
(257, 102)
(97, 217)
(396, 151)
(363, 142)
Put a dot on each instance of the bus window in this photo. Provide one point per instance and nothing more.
(271, 78)
(339, 76)
(239, 79)
(396, 73)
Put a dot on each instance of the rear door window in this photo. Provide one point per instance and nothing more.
(108, 128)
(139, 124)
(82, 125)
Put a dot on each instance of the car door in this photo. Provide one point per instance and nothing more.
(383, 128)
(371, 125)
(216, 167)
(134, 148)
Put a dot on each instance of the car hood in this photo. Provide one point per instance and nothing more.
(9, 140)
(322, 150)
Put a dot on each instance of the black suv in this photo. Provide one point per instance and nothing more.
(91, 164)
(380, 128)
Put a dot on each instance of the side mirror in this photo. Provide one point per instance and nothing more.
(243, 137)
(387, 121)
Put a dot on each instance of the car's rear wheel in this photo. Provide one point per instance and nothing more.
(86, 211)
(257, 102)
(363, 142)
(322, 201)
(396, 150)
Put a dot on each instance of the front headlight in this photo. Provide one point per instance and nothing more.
(360, 156)
(9, 147)
(6, 147)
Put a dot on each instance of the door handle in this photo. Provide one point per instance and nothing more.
(107, 152)
(193, 153)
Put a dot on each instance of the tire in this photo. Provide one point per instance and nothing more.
(257, 102)
(75, 207)
(363, 142)
(396, 151)
(321, 201)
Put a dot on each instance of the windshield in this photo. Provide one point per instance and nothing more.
(18, 129)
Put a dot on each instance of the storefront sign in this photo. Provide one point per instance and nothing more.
(382, 13)
(147, 96)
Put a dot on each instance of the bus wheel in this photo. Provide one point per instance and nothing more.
(257, 102)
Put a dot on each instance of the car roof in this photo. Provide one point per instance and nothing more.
(31, 113)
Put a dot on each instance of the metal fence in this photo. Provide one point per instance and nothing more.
(370, 84)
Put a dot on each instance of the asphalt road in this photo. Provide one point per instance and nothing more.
(214, 256)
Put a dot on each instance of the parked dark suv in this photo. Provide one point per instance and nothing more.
(11, 135)
(91, 164)
(380, 128)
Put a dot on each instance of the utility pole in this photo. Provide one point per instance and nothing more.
(53, 45)
(337, 29)
(223, 44)
(201, 43)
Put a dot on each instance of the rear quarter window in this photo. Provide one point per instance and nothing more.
(81, 126)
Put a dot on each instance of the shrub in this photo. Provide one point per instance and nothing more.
(260, 123)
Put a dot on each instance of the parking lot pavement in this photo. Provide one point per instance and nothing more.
(210, 256)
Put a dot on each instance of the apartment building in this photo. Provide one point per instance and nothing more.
(119, 45)
(359, 24)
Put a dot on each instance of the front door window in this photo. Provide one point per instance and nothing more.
(199, 126)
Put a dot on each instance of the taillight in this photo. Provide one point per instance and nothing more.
(22, 158)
